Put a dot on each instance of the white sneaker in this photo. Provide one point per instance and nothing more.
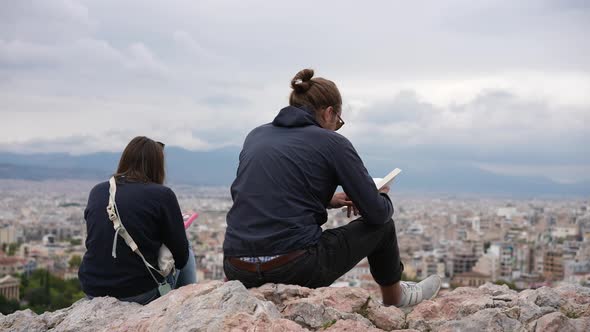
(414, 293)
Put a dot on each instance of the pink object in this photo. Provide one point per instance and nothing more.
(188, 219)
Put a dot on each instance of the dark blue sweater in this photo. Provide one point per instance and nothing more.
(288, 172)
(151, 215)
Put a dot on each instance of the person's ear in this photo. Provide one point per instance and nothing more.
(328, 114)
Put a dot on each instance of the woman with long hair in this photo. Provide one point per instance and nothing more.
(287, 176)
(141, 210)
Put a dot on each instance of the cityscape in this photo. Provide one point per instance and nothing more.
(466, 240)
(483, 105)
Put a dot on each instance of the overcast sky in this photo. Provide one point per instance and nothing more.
(504, 85)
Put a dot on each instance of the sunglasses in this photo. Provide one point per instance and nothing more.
(340, 121)
(161, 144)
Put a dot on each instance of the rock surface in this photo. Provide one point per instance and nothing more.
(217, 306)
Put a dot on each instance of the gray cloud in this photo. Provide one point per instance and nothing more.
(404, 107)
(493, 120)
(488, 82)
(496, 131)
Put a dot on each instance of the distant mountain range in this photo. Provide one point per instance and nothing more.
(183, 166)
(218, 167)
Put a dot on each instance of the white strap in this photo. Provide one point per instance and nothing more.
(114, 252)
(114, 216)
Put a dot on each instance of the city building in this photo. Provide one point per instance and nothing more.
(7, 235)
(488, 264)
(506, 212)
(469, 279)
(507, 259)
(463, 263)
(564, 232)
(577, 272)
(11, 265)
(553, 269)
(10, 288)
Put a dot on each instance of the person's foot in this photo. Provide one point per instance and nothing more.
(414, 293)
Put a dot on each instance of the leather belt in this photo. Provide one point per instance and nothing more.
(266, 266)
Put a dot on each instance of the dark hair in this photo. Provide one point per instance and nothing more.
(142, 161)
(314, 93)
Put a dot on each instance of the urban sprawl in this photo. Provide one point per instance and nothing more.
(467, 240)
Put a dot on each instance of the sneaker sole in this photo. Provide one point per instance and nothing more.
(437, 289)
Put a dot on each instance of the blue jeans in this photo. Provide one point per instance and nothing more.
(188, 274)
(185, 276)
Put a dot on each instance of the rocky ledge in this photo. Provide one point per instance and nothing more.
(217, 306)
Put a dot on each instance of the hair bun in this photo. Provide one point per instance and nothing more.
(302, 81)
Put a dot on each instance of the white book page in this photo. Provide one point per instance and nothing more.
(388, 179)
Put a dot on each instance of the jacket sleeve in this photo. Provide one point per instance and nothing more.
(173, 233)
(375, 207)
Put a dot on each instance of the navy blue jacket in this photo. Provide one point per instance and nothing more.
(151, 214)
(288, 172)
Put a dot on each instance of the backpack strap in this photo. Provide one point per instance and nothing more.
(120, 230)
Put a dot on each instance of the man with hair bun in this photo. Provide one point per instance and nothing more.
(287, 176)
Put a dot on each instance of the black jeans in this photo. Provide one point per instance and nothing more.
(337, 252)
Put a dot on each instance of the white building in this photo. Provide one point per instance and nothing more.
(489, 264)
(561, 232)
(9, 288)
(7, 235)
(506, 212)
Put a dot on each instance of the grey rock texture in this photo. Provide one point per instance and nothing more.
(217, 306)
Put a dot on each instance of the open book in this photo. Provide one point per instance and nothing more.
(387, 180)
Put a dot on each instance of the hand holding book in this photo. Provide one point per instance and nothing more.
(383, 186)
